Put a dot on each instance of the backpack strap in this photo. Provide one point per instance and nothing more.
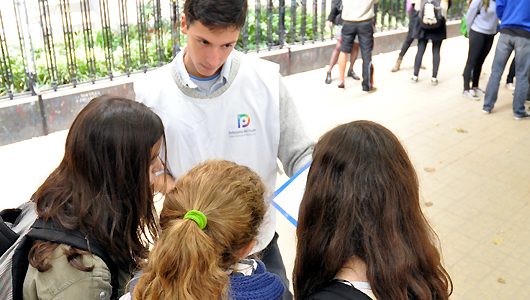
(7, 235)
(49, 231)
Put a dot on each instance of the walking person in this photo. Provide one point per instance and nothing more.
(431, 26)
(515, 36)
(411, 6)
(358, 20)
(482, 25)
(334, 18)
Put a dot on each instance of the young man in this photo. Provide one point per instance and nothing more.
(515, 36)
(358, 17)
(217, 103)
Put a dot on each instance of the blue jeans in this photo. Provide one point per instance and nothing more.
(506, 44)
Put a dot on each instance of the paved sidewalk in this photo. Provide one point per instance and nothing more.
(473, 168)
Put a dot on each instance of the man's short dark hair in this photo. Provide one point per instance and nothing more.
(216, 14)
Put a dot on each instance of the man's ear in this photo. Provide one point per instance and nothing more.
(183, 26)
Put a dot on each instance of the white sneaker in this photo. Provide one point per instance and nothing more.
(510, 86)
(414, 78)
(434, 81)
(478, 92)
(470, 94)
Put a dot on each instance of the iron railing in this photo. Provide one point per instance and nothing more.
(68, 42)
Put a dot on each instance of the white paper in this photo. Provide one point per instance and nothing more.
(288, 197)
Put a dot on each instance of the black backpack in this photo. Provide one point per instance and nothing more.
(19, 227)
(431, 14)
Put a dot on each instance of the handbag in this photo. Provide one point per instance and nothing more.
(463, 26)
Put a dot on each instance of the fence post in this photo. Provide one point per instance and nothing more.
(5, 64)
(49, 46)
(175, 27)
(303, 26)
(158, 33)
(86, 21)
(142, 34)
(257, 26)
(124, 32)
(68, 40)
(106, 32)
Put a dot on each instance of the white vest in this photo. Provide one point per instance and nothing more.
(241, 125)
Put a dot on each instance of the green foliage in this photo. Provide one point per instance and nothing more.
(290, 37)
(111, 58)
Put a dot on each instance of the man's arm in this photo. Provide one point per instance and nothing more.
(296, 148)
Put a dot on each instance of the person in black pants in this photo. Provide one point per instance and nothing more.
(482, 26)
(358, 20)
(413, 18)
(334, 18)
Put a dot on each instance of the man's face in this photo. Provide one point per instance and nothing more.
(207, 50)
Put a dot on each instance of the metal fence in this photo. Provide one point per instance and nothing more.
(47, 44)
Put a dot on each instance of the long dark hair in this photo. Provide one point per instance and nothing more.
(101, 187)
(362, 200)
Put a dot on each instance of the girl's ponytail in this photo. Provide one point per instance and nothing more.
(184, 264)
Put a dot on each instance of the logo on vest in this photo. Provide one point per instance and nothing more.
(243, 120)
(243, 125)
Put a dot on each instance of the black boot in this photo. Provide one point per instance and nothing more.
(353, 75)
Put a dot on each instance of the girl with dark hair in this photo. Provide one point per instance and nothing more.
(361, 232)
(209, 225)
(103, 189)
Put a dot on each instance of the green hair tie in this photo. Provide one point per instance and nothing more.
(198, 217)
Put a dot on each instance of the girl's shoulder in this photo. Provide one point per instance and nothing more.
(336, 290)
(249, 279)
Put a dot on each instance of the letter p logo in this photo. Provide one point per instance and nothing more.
(243, 120)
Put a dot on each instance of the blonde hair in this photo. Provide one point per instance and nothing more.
(190, 263)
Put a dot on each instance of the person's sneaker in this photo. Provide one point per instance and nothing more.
(328, 77)
(341, 85)
(352, 74)
(524, 116)
(486, 111)
(470, 94)
(434, 81)
(478, 92)
(414, 78)
(510, 86)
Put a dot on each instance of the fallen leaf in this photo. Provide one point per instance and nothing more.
(497, 241)
(461, 130)
(501, 280)
(429, 169)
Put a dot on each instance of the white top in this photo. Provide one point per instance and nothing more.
(362, 286)
(239, 122)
